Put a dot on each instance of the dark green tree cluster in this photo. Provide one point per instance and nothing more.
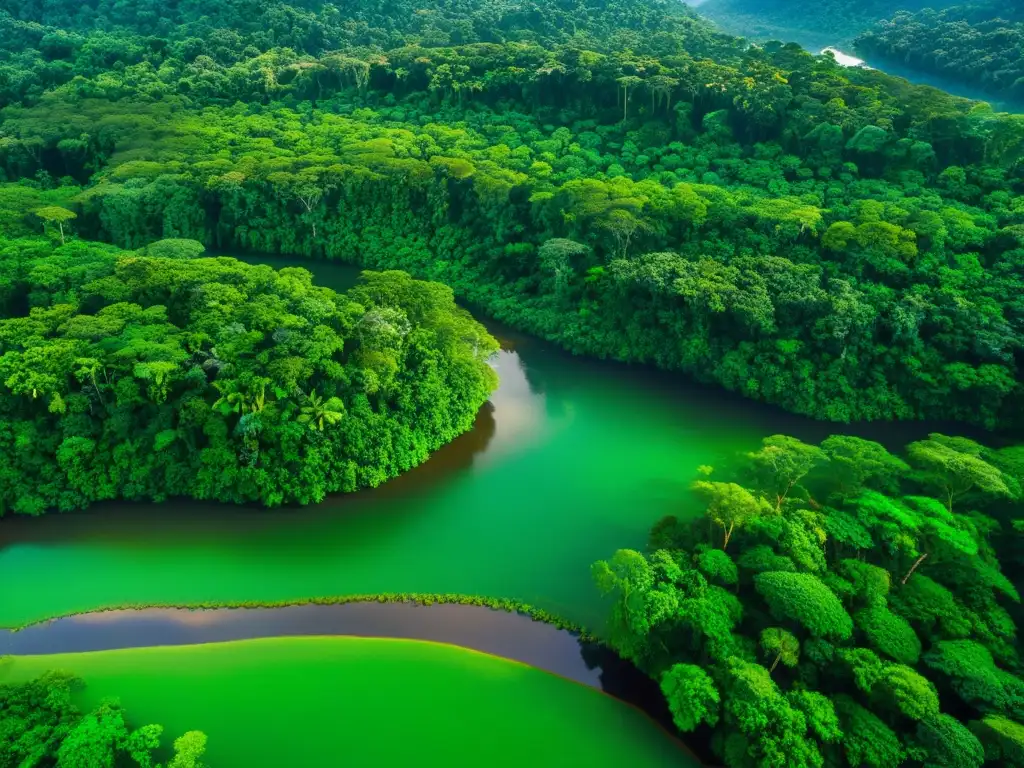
(980, 44)
(831, 240)
(40, 725)
(157, 373)
(837, 605)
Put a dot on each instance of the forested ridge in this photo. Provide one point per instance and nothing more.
(977, 43)
(157, 373)
(837, 605)
(835, 241)
(48, 44)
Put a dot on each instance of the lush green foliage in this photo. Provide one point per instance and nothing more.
(803, 598)
(691, 695)
(197, 44)
(155, 374)
(41, 726)
(978, 43)
(851, 616)
(832, 240)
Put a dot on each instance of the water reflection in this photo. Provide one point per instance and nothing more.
(520, 409)
(845, 59)
(183, 520)
(509, 635)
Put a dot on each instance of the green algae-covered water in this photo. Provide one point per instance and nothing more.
(364, 702)
(571, 460)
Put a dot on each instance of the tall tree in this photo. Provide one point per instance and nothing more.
(692, 696)
(781, 463)
(730, 506)
(54, 214)
(781, 645)
(955, 466)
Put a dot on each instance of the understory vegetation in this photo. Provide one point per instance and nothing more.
(158, 373)
(616, 177)
(838, 605)
(40, 725)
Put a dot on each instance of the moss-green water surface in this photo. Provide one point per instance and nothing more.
(318, 701)
(571, 460)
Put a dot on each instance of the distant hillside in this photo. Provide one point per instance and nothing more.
(980, 44)
(812, 24)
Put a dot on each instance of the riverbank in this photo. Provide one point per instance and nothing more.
(408, 599)
(498, 628)
(896, 69)
(365, 701)
(847, 54)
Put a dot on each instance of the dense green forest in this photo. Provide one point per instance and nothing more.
(158, 373)
(815, 24)
(838, 605)
(41, 726)
(615, 177)
(979, 43)
(43, 45)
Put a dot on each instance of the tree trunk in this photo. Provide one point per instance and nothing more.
(728, 535)
(61, 225)
(914, 567)
(99, 392)
(782, 498)
(775, 663)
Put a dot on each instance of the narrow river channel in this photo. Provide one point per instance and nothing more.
(497, 633)
(925, 78)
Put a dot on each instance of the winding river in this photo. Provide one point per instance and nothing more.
(497, 633)
(570, 460)
(500, 634)
(770, 26)
(918, 77)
